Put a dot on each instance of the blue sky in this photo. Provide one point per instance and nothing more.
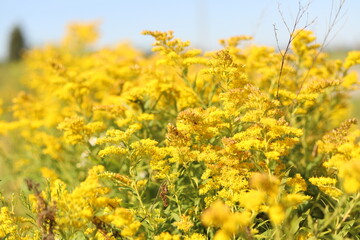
(202, 22)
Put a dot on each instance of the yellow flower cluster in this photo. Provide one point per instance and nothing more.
(343, 152)
(87, 208)
(180, 144)
(219, 215)
(13, 227)
(76, 131)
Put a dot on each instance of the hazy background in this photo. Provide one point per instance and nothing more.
(202, 22)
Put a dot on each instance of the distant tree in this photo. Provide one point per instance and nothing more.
(16, 44)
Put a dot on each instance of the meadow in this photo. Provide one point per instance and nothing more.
(241, 143)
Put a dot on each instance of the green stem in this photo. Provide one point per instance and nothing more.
(346, 215)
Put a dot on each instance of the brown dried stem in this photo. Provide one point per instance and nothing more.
(46, 213)
(326, 41)
(292, 35)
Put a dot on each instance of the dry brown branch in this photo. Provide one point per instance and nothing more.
(46, 213)
(292, 35)
(326, 41)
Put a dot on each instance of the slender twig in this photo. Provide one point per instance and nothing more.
(46, 212)
(292, 35)
(325, 42)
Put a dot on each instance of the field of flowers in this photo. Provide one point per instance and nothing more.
(242, 143)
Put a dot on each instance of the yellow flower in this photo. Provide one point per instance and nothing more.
(294, 199)
(221, 235)
(167, 236)
(48, 173)
(265, 183)
(350, 175)
(297, 183)
(76, 131)
(14, 228)
(352, 59)
(195, 236)
(112, 150)
(327, 185)
(184, 224)
(219, 215)
(276, 214)
(80, 34)
(252, 200)
(236, 222)
(216, 215)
